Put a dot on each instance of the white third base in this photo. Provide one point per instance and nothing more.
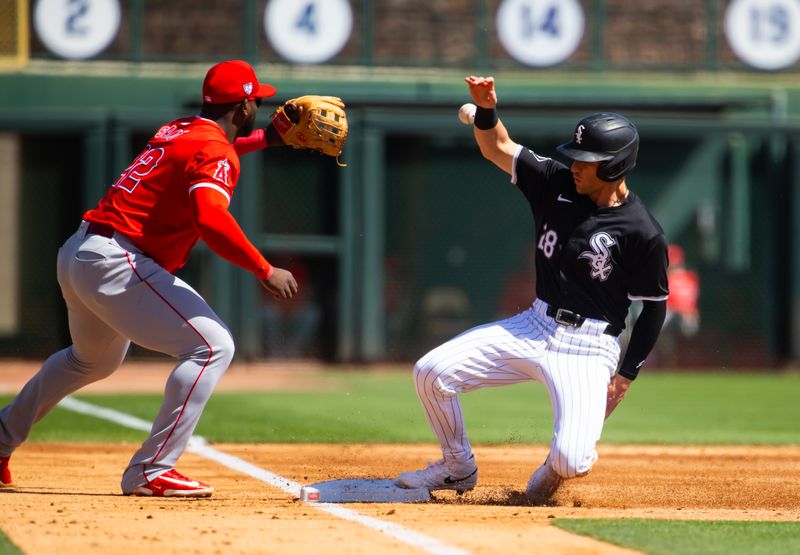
(362, 491)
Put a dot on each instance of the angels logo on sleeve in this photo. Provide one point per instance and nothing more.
(600, 256)
(223, 172)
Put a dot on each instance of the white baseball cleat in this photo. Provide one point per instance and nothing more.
(542, 485)
(455, 475)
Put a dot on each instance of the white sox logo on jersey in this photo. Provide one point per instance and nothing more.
(600, 257)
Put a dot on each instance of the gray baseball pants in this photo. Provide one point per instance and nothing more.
(116, 294)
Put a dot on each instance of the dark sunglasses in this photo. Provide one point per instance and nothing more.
(258, 103)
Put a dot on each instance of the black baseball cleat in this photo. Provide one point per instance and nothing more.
(460, 476)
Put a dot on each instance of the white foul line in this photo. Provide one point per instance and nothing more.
(199, 446)
(111, 415)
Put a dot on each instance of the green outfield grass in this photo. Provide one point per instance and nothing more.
(6, 547)
(661, 408)
(356, 406)
(684, 537)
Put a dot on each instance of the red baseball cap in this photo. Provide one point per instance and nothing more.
(233, 81)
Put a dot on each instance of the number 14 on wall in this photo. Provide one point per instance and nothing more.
(540, 32)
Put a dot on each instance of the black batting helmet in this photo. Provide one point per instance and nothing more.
(608, 138)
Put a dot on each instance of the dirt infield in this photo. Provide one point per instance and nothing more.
(66, 499)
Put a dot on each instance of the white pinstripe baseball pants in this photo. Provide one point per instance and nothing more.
(574, 364)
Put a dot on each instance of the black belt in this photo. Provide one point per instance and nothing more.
(97, 228)
(568, 318)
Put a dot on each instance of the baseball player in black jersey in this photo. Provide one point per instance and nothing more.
(598, 249)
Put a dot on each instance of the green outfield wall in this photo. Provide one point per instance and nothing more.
(418, 237)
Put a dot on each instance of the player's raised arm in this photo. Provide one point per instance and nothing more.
(258, 139)
(311, 122)
(490, 133)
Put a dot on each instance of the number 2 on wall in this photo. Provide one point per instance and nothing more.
(76, 11)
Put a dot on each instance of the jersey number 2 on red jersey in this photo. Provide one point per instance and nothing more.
(144, 164)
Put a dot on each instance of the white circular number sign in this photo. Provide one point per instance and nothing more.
(764, 33)
(308, 31)
(76, 29)
(540, 32)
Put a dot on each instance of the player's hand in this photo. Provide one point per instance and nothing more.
(273, 137)
(293, 112)
(482, 91)
(281, 284)
(617, 389)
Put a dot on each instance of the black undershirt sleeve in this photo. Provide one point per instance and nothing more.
(643, 337)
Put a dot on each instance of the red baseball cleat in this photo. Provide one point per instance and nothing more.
(173, 484)
(5, 472)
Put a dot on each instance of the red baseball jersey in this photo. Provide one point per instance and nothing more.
(149, 202)
(684, 291)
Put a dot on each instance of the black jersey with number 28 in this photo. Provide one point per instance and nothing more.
(590, 260)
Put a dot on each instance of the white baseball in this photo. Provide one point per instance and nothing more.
(466, 114)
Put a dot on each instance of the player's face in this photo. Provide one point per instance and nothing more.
(585, 176)
(249, 123)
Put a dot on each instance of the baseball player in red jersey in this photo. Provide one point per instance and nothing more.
(684, 284)
(116, 276)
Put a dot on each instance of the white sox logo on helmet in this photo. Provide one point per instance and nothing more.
(579, 135)
(248, 88)
(600, 257)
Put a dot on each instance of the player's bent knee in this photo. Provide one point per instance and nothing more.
(570, 471)
(421, 370)
(429, 379)
(215, 346)
(568, 465)
(96, 366)
(223, 349)
(421, 373)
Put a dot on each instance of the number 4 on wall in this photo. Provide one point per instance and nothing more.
(308, 19)
(308, 31)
